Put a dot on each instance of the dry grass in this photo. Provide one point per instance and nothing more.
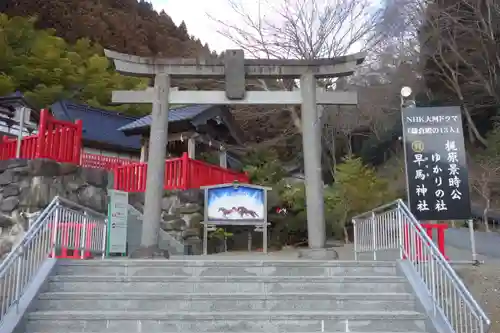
(484, 283)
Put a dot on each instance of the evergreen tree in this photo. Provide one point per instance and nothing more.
(46, 68)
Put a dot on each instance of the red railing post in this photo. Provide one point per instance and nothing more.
(429, 229)
(42, 128)
(77, 149)
(185, 171)
(441, 228)
(116, 178)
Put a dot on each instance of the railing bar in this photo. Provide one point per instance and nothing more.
(47, 234)
(392, 226)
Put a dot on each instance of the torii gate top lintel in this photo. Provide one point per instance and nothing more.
(256, 68)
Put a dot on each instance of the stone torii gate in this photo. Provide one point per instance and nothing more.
(235, 69)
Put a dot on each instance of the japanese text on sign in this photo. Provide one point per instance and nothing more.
(435, 161)
(451, 175)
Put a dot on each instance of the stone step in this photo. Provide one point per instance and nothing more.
(265, 322)
(225, 302)
(230, 284)
(224, 268)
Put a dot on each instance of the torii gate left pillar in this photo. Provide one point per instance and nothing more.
(235, 69)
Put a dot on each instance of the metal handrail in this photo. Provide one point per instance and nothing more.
(452, 274)
(384, 228)
(47, 234)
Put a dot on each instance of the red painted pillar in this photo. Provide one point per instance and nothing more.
(42, 128)
(77, 149)
(185, 172)
(441, 228)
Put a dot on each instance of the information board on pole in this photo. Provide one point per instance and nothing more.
(436, 166)
(235, 204)
(117, 222)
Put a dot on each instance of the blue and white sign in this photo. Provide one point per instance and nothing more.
(236, 204)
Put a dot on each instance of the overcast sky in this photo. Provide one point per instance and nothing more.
(194, 13)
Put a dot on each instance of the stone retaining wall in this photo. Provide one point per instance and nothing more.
(182, 214)
(28, 186)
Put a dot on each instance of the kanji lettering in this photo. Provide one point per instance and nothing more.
(450, 146)
(422, 206)
(421, 190)
(453, 169)
(440, 206)
(454, 182)
(419, 174)
(452, 157)
(419, 159)
(456, 195)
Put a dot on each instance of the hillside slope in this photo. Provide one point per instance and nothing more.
(123, 25)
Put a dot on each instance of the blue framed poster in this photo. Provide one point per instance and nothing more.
(236, 204)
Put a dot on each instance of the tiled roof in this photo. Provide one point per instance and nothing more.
(175, 114)
(98, 125)
(15, 99)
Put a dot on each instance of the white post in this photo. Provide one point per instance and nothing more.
(205, 239)
(144, 150)
(156, 165)
(192, 148)
(472, 240)
(264, 238)
(20, 133)
(223, 158)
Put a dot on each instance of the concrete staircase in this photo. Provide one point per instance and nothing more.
(138, 296)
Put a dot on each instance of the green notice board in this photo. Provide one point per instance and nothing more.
(117, 222)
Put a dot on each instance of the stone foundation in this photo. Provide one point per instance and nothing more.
(182, 214)
(28, 186)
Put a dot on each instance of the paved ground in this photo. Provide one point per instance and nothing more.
(487, 243)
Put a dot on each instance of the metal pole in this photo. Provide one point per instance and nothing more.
(20, 133)
(472, 240)
(312, 163)
(205, 239)
(55, 231)
(264, 238)
(355, 239)
(83, 240)
(156, 163)
(374, 236)
(400, 218)
(249, 241)
(402, 105)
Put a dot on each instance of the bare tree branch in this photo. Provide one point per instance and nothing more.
(301, 29)
(461, 41)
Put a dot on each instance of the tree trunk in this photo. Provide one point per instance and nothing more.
(346, 235)
(485, 215)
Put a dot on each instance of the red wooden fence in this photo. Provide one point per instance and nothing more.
(57, 140)
(103, 162)
(61, 141)
(180, 173)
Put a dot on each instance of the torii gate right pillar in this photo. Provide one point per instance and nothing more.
(235, 70)
(311, 149)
